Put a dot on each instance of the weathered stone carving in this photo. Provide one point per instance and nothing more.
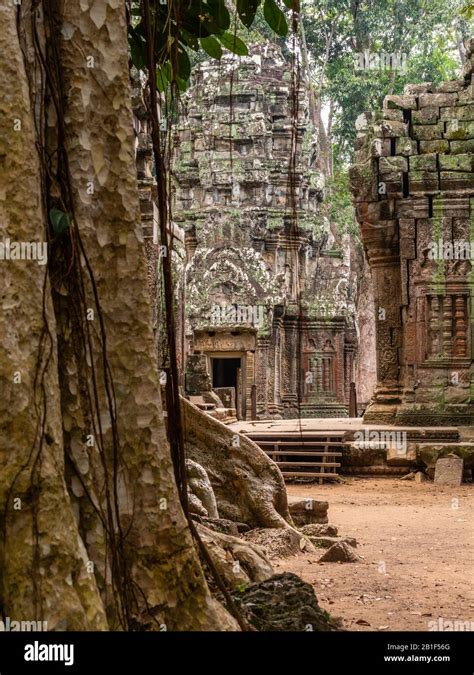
(413, 187)
(270, 306)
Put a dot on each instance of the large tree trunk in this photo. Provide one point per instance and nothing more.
(43, 564)
(128, 506)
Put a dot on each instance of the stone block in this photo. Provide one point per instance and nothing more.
(403, 456)
(405, 102)
(363, 181)
(417, 89)
(340, 552)
(451, 86)
(428, 132)
(360, 150)
(458, 394)
(327, 542)
(389, 165)
(428, 147)
(455, 180)
(363, 120)
(448, 471)
(392, 184)
(307, 511)
(437, 99)
(466, 96)
(423, 181)
(197, 378)
(423, 163)
(390, 129)
(460, 162)
(412, 207)
(370, 212)
(461, 147)
(429, 453)
(407, 248)
(461, 228)
(407, 228)
(463, 112)
(452, 206)
(315, 530)
(428, 115)
(458, 130)
(467, 68)
(393, 114)
(406, 146)
(420, 477)
(377, 147)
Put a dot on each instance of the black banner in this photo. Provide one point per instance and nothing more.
(90, 653)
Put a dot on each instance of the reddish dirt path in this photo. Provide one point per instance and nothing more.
(425, 543)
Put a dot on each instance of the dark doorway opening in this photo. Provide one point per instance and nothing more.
(225, 372)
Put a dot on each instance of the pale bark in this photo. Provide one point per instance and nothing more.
(43, 565)
(248, 485)
(238, 561)
(158, 545)
(167, 585)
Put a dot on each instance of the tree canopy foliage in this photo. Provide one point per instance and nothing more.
(426, 34)
(184, 26)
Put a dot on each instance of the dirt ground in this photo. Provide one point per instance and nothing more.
(417, 543)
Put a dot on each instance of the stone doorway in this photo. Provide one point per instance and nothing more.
(227, 374)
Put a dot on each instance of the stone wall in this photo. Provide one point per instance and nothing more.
(413, 186)
(266, 280)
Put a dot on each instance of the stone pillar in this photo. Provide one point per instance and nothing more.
(261, 375)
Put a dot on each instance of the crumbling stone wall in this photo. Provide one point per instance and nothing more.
(280, 299)
(413, 187)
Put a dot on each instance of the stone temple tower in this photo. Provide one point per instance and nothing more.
(268, 286)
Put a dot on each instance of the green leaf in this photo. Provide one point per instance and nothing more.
(233, 44)
(59, 220)
(275, 18)
(246, 10)
(184, 64)
(162, 77)
(292, 4)
(182, 84)
(220, 13)
(212, 47)
(189, 40)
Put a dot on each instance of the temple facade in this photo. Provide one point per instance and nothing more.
(268, 287)
(413, 187)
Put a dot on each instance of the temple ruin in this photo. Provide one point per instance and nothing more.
(269, 308)
(413, 190)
